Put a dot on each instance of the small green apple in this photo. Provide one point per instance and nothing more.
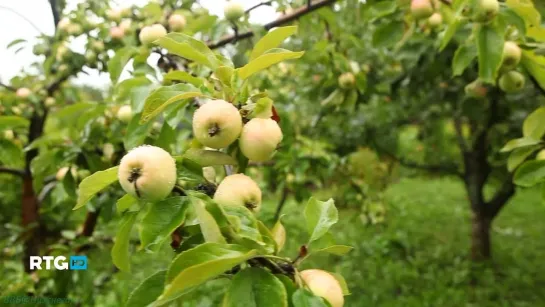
(9, 135)
(124, 113)
(476, 89)
(487, 10)
(421, 9)
(347, 81)
(217, 124)
(260, 138)
(176, 22)
(233, 10)
(117, 32)
(147, 172)
(511, 54)
(23, 92)
(325, 285)
(49, 101)
(435, 20)
(151, 33)
(512, 81)
(239, 190)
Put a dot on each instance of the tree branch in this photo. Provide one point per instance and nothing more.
(278, 22)
(264, 3)
(9, 88)
(55, 12)
(460, 135)
(12, 171)
(498, 201)
(22, 16)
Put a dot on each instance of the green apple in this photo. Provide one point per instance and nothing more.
(239, 190)
(64, 24)
(421, 9)
(233, 10)
(147, 172)
(151, 33)
(23, 92)
(347, 81)
(325, 285)
(511, 54)
(124, 113)
(49, 101)
(217, 124)
(9, 135)
(487, 10)
(511, 81)
(126, 25)
(117, 32)
(176, 22)
(114, 14)
(476, 89)
(259, 139)
(435, 20)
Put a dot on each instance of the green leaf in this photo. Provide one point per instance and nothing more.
(530, 173)
(272, 40)
(534, 125)
(535, 65)
(305, 298)
(490, 52)
(197, 265)
(463, 56)
(187, 47)
(320, 216)
(15, 42)
(94, 184)
(518, 156)
(517, 143)
(179, 75)
(452, 28)
(290, 286)
(136, 132)
(339, 250)
(209, 157)
(161, 219)
(13, 122)
(148, 291)
(224, 74)
(513, 18)
(255, 287)
(125, 203)
(120, 251)
(119, 61)
(279, 234)
(162, 97)
(388, 34)
(209, 227)
(265, 60)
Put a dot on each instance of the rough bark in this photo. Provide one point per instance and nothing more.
(30, 222)
(480, 237)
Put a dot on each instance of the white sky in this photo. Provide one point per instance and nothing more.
(13, 27)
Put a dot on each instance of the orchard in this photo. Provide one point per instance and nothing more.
(275, 153)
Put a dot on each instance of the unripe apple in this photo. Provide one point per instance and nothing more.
(49, 101)
(125, 25)
(63, 68)
(511, 54)
(347, 81)
(62, 52)
(487, 10)
(108, 151)
(39, 49)
(74, 29)
(147, 172)
(541, 155)
(217, 124)
(259, 139)
(98, 46)
(16, 110)
(176, 22)
(151, 33)
(239, 190)
(114, 14)
(23, 92)
(9, 135)
(476, 89)
(511, 82)
(233, 10)
(63, 24)
(90, 56)
(116, 33)
(325, 285)
(435, 20)
(421, 9)
(124, 113)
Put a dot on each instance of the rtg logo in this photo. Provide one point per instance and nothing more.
(59, 262)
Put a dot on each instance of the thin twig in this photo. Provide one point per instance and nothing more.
(22, 16)
(12, 171)
(264, 3)
(10, 88)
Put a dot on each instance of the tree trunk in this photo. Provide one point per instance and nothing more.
(30, 222)
(480, 237)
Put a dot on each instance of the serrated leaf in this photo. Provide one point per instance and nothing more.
(320, 216)
(148, 291)
(161, 219)
(93, 184)
(197, 265)
(490, 52)
(209, 157)
(530, 173)
(187, 47)
(120, 251)
(162, 97)
(520, 142)
(265, 60)
(119, 61)
(255, 287)
(272, 40)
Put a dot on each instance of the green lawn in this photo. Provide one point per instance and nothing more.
(418, 257)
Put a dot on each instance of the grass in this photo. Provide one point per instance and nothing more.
(418, 257)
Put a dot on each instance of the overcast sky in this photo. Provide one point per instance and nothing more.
(38, 11)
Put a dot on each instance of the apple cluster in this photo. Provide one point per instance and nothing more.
(426, 9)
